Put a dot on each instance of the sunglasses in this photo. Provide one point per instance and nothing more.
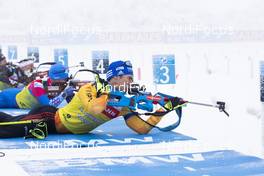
(128, 63)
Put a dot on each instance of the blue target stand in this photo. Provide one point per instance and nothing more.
(100, 61)
(33, 52)
(164, 69)
(61, 56)
(12, 52)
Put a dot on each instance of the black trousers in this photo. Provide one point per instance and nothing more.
(45, 113)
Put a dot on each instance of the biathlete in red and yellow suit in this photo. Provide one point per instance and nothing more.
(35, 94)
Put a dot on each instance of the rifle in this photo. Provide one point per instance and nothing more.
(77, 83)
(27, 68)
(146, 102)
(18, 74)
(74, 82)
(42, 74)
(138, 99)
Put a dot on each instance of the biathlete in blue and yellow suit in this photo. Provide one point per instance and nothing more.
(35, 94)
(86, 111)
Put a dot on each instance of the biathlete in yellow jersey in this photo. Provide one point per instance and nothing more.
(87, 110)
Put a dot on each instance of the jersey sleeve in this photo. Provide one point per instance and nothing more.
(37, 89)
(43, 100)
(88, 96)
(135, 123)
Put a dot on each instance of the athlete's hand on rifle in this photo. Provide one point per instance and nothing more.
(176, 101)
(68, 91)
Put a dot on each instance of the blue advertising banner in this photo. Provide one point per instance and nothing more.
(213, 163)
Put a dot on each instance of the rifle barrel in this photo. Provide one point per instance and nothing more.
(203, 104)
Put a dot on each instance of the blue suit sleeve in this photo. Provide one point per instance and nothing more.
(56, 101)
(43, 99)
